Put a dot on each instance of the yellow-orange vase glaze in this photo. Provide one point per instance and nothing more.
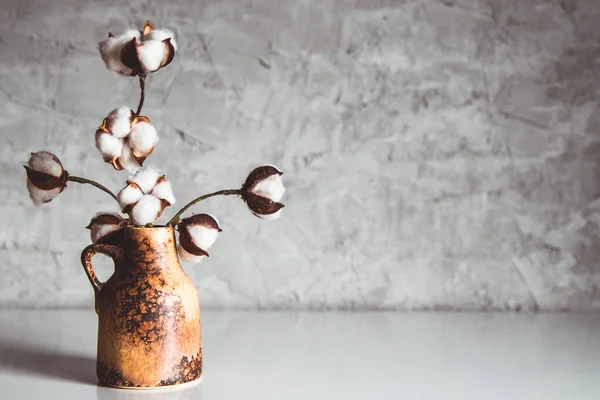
(148, 312)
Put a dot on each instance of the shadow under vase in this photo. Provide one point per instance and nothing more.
(45, 362)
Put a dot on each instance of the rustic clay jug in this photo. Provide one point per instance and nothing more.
(148, 312)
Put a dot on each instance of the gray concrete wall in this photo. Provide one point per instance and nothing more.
(438, 154)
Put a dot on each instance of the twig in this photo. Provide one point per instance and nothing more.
(78, 179)
(226, 192)
(142, 89)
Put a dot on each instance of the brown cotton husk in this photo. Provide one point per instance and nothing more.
(129, 57)
(164, 204)
(147, 28)
(261, 205)
(116, 164)
(103, 126)
(170, 53)
(141, 156)
(45, 181)
(139, 118)
(141, 159)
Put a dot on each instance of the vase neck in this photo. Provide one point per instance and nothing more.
(150, 248)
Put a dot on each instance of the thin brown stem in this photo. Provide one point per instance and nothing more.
(226, 192)
(142, 90)
(78, 179)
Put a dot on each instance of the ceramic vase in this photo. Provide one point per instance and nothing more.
(148, 312)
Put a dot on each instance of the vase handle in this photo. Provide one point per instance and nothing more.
(114, 252)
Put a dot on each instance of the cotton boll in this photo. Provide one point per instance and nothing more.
(271, 188)
(262, 192)
(151, 54)
(197, 233)
(110, 147)
(130, 195)
(46, 162)
(160, 35)
(142, 138)
(119, 122)
(146, 178)
(187, 257)
(147, 210)
(127, 160)
(46, 177)
(139, 52)
(39, 196)
(164, 191)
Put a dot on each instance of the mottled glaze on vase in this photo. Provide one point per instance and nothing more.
(148, 313)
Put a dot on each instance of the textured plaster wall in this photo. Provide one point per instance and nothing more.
(438, 154)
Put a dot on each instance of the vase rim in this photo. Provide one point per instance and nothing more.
(150, 228)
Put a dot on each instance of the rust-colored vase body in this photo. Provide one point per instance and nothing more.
(148, 313)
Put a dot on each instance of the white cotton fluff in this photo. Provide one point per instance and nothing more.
(142, 138)
(128, 160)
(269, 217)
(119, 121)
(110, 51)
(131, 194)
(272, 188)
(39, 196)
(110, 147)
(188, 257)
(160, 35)
(151, 55)
(98, 231)
(202, 236)
(146, 178)
(164, 191)
(147, 210)
(45, 162)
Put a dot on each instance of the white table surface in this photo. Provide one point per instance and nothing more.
(278, 355)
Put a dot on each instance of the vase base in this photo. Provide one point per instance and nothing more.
(176, 386)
